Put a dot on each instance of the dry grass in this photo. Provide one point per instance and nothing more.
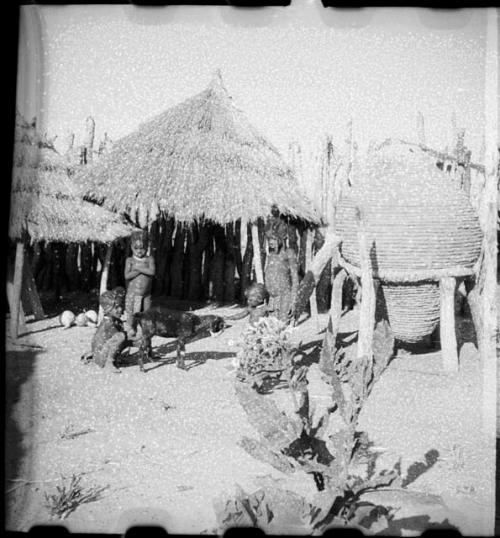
(68, 498)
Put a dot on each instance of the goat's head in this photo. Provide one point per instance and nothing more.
(214, 324)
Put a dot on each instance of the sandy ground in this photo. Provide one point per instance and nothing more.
(164, 443)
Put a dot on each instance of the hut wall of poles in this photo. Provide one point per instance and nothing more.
(193, 262)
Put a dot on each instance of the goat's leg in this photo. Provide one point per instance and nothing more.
(150, 356)
(145, 351)
(181, 353)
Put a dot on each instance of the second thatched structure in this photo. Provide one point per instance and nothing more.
(45, 205)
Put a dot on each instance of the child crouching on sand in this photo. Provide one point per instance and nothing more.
(110, 338)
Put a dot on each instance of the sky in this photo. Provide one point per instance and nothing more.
(298, 72)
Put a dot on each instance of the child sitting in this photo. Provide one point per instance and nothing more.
(139, 273)
(256, 308)
(110, 338)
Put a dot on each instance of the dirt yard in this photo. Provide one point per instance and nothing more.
(164, 443)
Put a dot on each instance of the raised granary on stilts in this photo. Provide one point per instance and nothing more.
(425, 235)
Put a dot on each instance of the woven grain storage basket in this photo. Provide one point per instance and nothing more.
(421, 223)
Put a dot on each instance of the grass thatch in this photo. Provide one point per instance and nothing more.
(199, 159)
(45, 202)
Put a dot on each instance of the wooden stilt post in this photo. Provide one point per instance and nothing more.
(21, 327)
(336, 304)
(367, 307)
(259, 273)
(488, 276)
(16, 313)
(104, 276)
(449, 351)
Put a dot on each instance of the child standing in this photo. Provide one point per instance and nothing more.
(139, 273)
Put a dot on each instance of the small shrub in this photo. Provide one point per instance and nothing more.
(68, 498)
(265, 351)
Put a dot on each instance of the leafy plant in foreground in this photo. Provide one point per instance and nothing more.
(326, 450)
(299, 442)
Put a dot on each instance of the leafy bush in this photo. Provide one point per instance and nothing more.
(265, 351)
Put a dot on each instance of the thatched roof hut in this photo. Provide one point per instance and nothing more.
(45, 202)
(199, 159)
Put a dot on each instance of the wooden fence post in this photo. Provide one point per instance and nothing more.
(70, 142)
(420, 128)
(367, 307)
(89, 139)
(488, 220)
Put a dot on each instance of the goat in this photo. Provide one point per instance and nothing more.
(184, 326)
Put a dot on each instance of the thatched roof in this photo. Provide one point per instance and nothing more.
(199, 159)
(45, 203)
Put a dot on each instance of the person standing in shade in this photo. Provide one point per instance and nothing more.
(139, 272)
(281, 272)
